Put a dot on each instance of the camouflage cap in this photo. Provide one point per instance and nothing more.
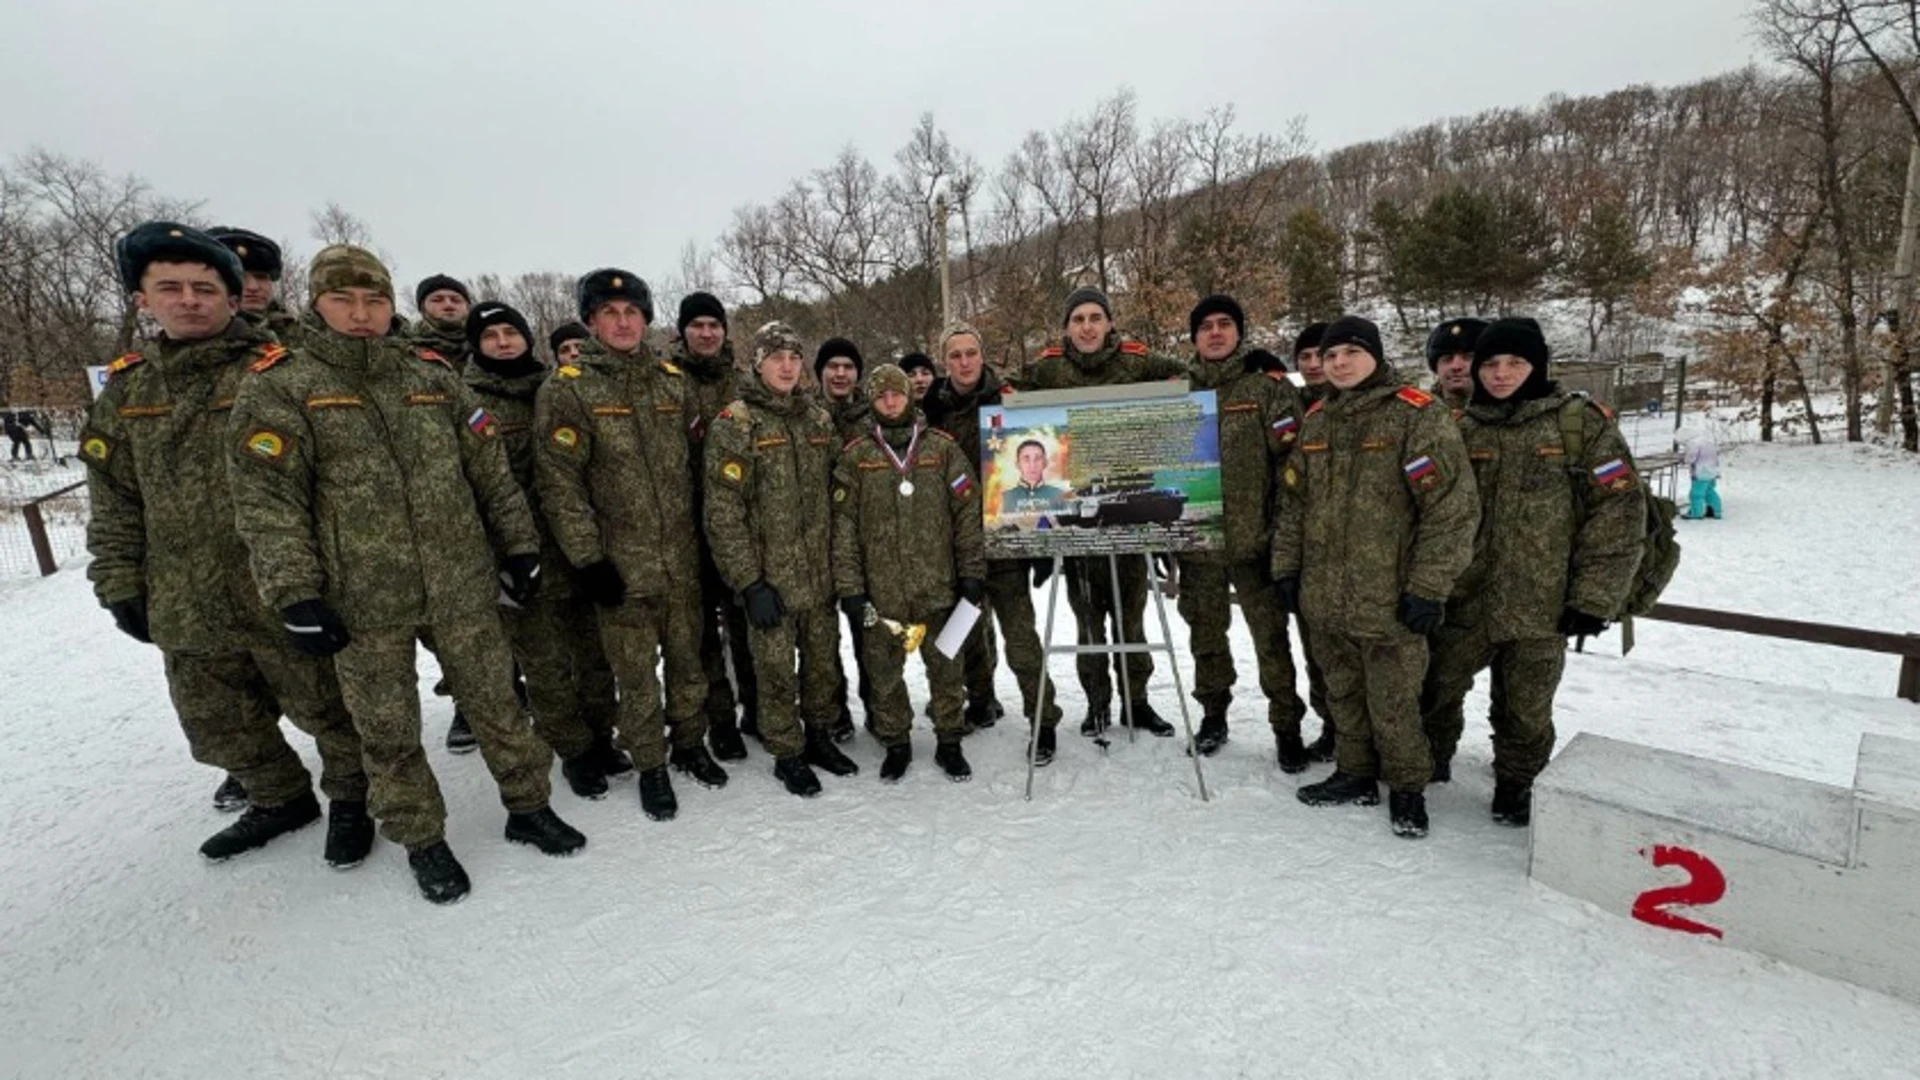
(344, 266)
(888, 377)
(772, 338)
(955, 329)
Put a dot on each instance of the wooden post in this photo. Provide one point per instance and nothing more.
(1909, 688)
(37, 533)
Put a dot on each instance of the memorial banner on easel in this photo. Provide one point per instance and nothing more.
(1107, 470)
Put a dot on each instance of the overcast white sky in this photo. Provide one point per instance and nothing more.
(513, 135)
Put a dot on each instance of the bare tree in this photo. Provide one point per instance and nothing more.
(335, 224)
(1093, 152)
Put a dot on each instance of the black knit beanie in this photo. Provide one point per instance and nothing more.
(430, 285)
(1085, 294)
(493, 313)
(1217, 304)
(1309, 339)
(837, 346)
(1354, 330)
(699, 305)
(565, 332)
(1519, 337)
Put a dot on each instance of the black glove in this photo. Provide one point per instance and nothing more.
(131, 617)
(1577, 623)
(855, 607)
(1042, 570)
(973, 590)
(1421, 615)
(314, 629)
(764, 609)
(601, 583)
(520, 577)
(1287, 591)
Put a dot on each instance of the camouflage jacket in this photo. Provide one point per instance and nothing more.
(1377, 499)
(769, 514)
(276, 320)
(711, 383)
(852, 415)
(958, 414)
(447, 339)
(613, 467)
(1259, 424)
(1455, 403)
(162, 524)
(906, 552)
(1117, 362)
(510, 399)
(1554, 532)
(366, 474)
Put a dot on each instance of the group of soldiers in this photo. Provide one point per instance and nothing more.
(630, 561)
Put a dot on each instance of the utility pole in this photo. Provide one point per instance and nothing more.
(1894, 368)
(946, 282)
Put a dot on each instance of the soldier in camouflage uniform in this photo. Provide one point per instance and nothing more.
(1560, 538)
(1259, 422)
(1314, 386)
(616, 485)
(953, 405)
(705, 355)
(907, 538)
(171, 568)
(566, 341)
(555, 636)
(442, 327)
(1450, 358)
(837, 370)
(374, 492)
(1376, 521)
(260, 258)
(1091, 353)
(769, 522)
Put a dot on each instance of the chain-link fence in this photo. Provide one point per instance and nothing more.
(40, 532)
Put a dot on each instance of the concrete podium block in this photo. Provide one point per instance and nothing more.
(1823, 877)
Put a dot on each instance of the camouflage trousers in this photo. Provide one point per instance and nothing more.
(1009, 602)
(1089, 588)
(886, 662)
(229, 705)
(1208, 614)
(1526, 674)
(638, 635)
(570, 689)
(796, 661)
(1373, 687)
(381, 687)
(723, 626)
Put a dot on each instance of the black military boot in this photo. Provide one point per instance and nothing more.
(441, 878)
(1099, 719)
(1291, 752)
(585, 774)
(349, 834)
(697, 763)
(460, 738)
(982, 715)
(1442, 769)
(1213, 731)
(259, 825)
(1145, 719)
(1408, 812)
(822, 753)
(1342, 788)
(895, 766)
(543, 829)
(1044, 747)
(656, 794)
(724, 739)
(613, 760)
(230, 797)
(1512, 803)
(797, 775)
(952, 762)
(1321, 749)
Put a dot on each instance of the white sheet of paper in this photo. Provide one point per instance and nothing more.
(959, 625)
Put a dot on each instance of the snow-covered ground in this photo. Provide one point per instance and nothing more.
(1114, 926)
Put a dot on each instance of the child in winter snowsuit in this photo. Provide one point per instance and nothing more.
(1702, 457)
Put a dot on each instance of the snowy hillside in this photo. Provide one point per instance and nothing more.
(1114, 926)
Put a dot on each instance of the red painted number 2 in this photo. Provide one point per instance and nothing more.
(1705, 885)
